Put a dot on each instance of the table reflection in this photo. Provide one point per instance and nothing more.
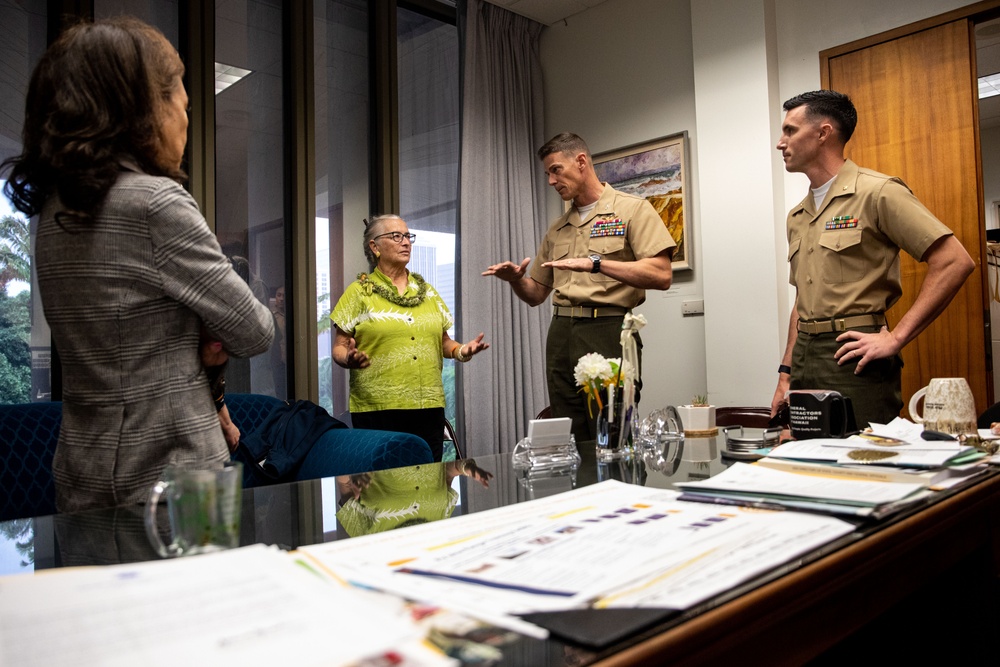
(291, 515)
(388, 499)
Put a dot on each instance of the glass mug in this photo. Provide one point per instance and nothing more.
(204, 509)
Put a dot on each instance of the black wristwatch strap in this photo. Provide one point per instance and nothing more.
(783, 368)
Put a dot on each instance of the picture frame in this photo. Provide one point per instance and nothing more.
(657, 171)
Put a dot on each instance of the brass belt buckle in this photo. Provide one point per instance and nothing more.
(840, 324)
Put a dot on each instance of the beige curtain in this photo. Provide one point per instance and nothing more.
(501, 216)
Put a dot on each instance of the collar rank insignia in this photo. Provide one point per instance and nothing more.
(842, 222)
(607, 226)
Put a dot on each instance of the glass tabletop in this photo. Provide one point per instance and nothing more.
(316, 511)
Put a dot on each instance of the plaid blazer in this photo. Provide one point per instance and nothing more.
(126, 295)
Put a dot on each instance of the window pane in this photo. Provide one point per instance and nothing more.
(24, 335)
(25, 353)
(427, 58)
(342, 168)
(249, 172)
(160, 13)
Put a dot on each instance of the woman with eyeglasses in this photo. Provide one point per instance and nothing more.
(392, 333)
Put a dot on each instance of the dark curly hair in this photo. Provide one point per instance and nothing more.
(95, 99)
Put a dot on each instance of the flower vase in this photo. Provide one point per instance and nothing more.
(612, 443)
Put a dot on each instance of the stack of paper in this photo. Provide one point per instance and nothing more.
(610, 545)
(249, 606)
(754, 485)
(872, 474)
(894, 452)
(859, 449)
(934, 478)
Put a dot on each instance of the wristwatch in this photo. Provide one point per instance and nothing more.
(596, 259)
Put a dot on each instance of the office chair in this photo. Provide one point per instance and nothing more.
(743, 416)
(450, 436)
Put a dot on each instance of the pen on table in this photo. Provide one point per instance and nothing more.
(755, 503)
(928, 434)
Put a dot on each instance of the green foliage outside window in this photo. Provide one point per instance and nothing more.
(15, 311)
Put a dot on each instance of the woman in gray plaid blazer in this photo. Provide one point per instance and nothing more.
(128, 270)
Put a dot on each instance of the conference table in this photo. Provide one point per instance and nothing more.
(804, 609)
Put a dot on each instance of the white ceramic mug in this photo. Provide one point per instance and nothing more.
(949, 406)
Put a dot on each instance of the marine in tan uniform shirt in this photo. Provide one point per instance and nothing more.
(621, 227)
(844, 264)
(599, 267)
(844, 259)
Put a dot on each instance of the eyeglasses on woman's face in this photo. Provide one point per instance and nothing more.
(398, 237)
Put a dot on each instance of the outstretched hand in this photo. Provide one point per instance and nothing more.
(470, 469)
(578, 264)
(508, 271)
(866, 347)
(475, 346)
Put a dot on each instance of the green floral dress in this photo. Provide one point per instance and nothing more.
(403, 343)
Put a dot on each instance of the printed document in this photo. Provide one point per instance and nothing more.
(751, 479)
(607, 545)
(249, 606)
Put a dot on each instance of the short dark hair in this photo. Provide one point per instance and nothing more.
(828, 104)
(566, 142)
(96, 97)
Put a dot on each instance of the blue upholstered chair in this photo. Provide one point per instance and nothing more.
(345, 451)
(453, 449)
(248, 410)
(29, 433)
(28, 436)
(341, 451)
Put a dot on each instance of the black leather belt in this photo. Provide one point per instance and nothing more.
(590, 313)
(841, 323)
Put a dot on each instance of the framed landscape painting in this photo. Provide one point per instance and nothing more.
(656, 171)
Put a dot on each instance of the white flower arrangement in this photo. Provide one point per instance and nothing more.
(594, 373)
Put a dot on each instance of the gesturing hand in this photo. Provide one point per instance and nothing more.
(579, 264)
(355, 357)
(508, 271)
(351, 486)
(475, 472)
(475, 346)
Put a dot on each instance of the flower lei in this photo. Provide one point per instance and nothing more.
(393, 296)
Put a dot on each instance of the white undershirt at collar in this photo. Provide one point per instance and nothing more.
(584, 211)
(819, 194)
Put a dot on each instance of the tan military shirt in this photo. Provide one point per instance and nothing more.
(845, 257)
(620, 227)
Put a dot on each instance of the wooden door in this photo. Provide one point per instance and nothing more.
(916, 96)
